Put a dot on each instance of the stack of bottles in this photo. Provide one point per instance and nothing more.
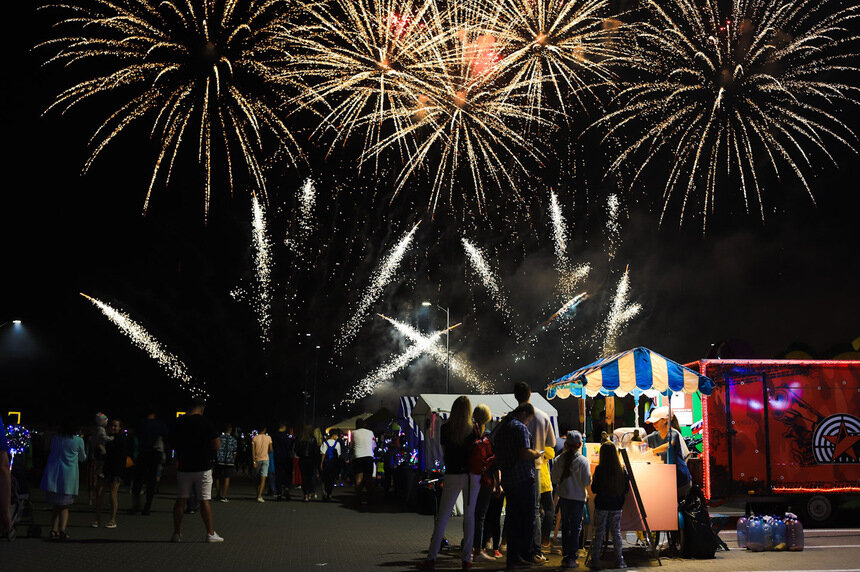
(761, 533)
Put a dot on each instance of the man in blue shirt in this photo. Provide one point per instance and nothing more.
(516, 460)
(6, 530)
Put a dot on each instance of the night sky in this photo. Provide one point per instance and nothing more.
(766, 287)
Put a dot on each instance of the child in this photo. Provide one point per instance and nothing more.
(571, 474)
(99, 443)
(609, 484)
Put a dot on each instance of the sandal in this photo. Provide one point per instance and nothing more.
(110, 525)
(54, 535)
(64, 535)
(95, 524)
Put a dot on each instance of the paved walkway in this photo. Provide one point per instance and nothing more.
(326, 537)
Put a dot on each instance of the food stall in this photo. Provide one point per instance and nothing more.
(636, 372)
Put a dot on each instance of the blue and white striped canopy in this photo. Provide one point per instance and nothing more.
(637, 371)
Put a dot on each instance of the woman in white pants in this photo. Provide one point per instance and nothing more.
(457, 436)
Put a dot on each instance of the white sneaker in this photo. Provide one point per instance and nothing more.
(176, 537)
(260, 499)
(223, 499)
(214, 537)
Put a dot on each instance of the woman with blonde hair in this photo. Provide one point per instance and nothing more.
(457, 436)
(489, 485)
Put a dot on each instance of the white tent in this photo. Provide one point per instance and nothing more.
(347, 424)
(432, 409)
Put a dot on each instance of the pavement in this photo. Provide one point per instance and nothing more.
(325, 537)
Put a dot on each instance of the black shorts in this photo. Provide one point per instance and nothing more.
(363, 465)
(223, 471)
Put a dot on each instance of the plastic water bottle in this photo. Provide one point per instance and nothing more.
(755, 535)
(767, 528)
(793, 532)
(779, 534)
(743, 524)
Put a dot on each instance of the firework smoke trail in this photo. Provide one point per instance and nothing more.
(488, 279)
(457, 365)
(619, 315)
(263, 264)
(143, 340)
(613, 226)
(384, 372)
(559, 233)
(381, 278)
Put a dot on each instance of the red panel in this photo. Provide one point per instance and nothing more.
(749, 460)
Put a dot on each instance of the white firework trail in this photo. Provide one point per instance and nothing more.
(489, 279)
(145, 341)
(613, 226)
(571, 278)
(619, 314)
(384, 372)
(383, 276)
(307, 202)
(559, 233)
(263, 264)
(457, 365)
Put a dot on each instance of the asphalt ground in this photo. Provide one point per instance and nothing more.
(326, 537)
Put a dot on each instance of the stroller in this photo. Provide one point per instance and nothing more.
(21, 510)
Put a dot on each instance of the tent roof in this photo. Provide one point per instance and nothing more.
(348, 423)
(499, 404)
(639, 370)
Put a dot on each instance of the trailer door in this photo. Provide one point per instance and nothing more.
(747, 431)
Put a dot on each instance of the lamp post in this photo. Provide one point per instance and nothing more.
(447, 343)
(316, 370)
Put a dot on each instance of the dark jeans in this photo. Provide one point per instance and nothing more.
(146, 470)
(547, 515)
(481, 506)
(520, 520)
(571, 525)
(283, 477)
(329, 477)
(493, 521)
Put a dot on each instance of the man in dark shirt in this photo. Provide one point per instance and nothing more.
(516, 460)
(151, 434)
(195, 440)
(284, 450)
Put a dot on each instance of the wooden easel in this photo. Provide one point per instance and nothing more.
(640, 506)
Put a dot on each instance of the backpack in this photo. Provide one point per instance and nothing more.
(481, 455)
(330, 454)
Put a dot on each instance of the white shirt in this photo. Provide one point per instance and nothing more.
(542, 434)
(324, 447)
(363, 443)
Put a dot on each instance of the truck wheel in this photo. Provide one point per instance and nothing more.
(819, 510)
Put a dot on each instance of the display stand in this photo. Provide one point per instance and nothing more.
(639, 504)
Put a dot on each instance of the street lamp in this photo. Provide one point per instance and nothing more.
(13, 322)
(427, 304)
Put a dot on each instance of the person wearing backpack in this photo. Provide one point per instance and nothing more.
(457, 436)
(330, 454)
(482, 462)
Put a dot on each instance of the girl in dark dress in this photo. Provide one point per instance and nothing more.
(114, 467)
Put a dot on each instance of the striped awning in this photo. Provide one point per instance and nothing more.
(637, 371)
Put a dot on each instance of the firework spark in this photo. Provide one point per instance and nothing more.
(458, 366)
(735, 96)
(307, 201)
(559, 232)
(568, 307)
(383, 276)
(263, 265)
(145, 341)
(384, 372)
(619, 314)
(613, 226)
(488, 277)
(208, 71)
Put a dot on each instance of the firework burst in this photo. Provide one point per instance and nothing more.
(209, 71)
(145, 341)
(619, 314)
(731, 95)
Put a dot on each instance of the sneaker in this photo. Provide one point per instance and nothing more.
(176, 537)
(110, 525)
(497, 554)
(483, 556)
(260, 499)
(223, 499)
(539, 559)
(214, 537)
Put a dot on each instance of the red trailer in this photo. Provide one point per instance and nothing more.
(783, 431)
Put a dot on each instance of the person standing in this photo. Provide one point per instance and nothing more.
(261, 446)
(543, 436)
(306, 451)
(659, 442)
(61, 477)
(195, 441)
(489, 482)
(609, 484)
(571, 474)
(457, 436)
(284, 451)
(330, 452)
(516, 459)
(151, 434)
(116, 452)
(225, 463)
(363, 448)
(6, 529)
